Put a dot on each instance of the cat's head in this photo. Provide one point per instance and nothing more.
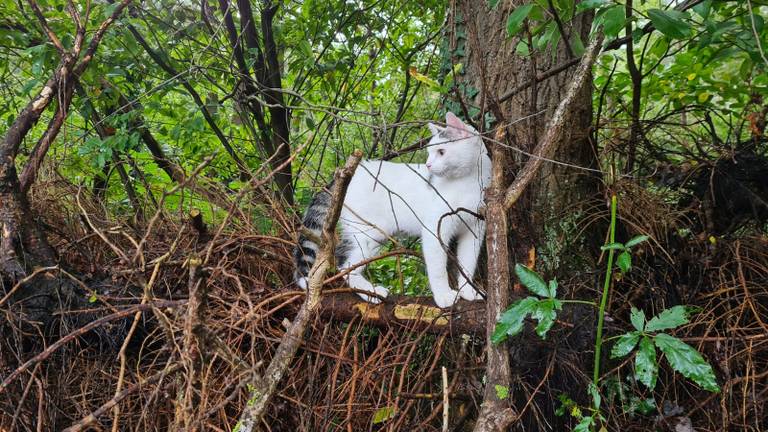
(455, 151)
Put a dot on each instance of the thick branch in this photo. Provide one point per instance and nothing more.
(264, 387)
(406, 312)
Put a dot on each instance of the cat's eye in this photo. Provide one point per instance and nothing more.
(441, 152)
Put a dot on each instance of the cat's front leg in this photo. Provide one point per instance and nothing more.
(436, 259)
(467, 251)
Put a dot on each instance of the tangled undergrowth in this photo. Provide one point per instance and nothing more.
(128, 373)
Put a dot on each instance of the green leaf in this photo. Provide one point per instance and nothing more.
(502, 392)
(646, 367)
(703, 8)
(595, 393)
(625, 344)
(613, 21)
(585, 425)
(670, 23)
(531, 280)
(668, 319)
(553, 288)
(613, 246)
(511, 321)
(624, 261)
(638, 319)
(544, 312)
(92, 298)
(636, 241)
(577, 45)
(685, 359)
(589, 4)
(515, 20)
(383, 414)
(522, 49)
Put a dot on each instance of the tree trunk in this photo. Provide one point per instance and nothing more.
(494, 70)
(522, 94)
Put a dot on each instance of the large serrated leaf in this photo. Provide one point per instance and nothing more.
(668, 319)
(685, 359)
(531, 280)
(670, 22)
(646, 367)
(511, 321)
(585, 425)
(625, 344)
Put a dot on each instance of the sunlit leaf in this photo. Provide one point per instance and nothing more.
(637, 317)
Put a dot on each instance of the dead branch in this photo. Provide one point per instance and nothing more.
(81, 331)
(264, 388)
(92, 417)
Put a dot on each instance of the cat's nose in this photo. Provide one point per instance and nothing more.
(429, 165)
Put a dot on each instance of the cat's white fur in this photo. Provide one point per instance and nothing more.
(386, 198)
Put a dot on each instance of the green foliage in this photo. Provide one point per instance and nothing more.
(543, 310)
(624, 260)
(515, 20)
(685, 359)
(670, 22)
(682, 357)
(383, 414)
(502, 392)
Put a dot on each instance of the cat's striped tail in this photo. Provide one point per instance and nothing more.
(306, 250)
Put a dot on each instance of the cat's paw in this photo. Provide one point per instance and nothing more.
(302, 283)
(445, 298)
(468, 292)
(378, 290)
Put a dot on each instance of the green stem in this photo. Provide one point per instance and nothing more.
(604, 299)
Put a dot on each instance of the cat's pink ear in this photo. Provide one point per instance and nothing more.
(457, 126)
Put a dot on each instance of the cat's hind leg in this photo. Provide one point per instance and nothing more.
(361, 247)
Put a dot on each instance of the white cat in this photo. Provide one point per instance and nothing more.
(386, 198)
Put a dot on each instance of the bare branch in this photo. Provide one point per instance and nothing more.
(44, 23)
(265, 387)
